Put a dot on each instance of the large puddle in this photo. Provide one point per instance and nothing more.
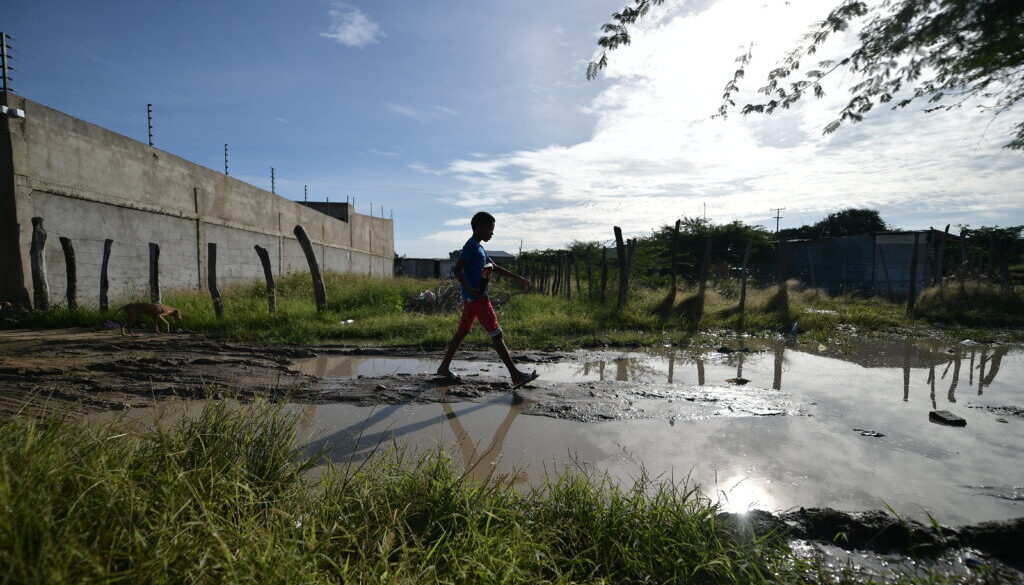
(863, 439)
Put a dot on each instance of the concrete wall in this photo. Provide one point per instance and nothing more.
(89, 184)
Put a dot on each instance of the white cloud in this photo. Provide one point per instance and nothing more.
(387, 153)
(350, 27)
(655, 153)
(421, 114)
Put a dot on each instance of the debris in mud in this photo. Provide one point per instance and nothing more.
(868, 433)
(1004, 410)
(944, 417)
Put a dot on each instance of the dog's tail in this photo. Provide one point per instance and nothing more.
(118, 312)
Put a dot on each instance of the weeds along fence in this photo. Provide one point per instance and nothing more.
(899, 265)
(41, 287)
(603, 272)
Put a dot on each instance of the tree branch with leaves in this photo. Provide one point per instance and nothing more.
(947, 53)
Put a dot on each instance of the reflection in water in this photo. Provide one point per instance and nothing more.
(932, 359)
(483, 466)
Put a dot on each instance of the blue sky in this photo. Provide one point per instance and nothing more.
(438, 109)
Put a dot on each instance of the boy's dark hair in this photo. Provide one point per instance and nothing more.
(481, 219)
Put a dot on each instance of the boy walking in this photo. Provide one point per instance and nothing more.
(476, 305)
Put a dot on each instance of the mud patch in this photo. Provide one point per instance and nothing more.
(83, 371)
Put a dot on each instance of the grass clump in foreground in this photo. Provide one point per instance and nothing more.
(375, 307)
(222, 498)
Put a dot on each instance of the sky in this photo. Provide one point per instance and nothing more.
(432, 111)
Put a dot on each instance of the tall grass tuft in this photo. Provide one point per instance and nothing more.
(972, 303)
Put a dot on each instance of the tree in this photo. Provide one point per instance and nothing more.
(846, 222)
(944, 52)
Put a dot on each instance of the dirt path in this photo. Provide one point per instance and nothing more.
(78, 371)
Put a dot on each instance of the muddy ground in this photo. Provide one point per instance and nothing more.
(82, 371)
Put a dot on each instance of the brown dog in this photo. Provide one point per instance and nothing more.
(155, 311)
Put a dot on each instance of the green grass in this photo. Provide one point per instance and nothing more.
(375, 306)
(221, 498)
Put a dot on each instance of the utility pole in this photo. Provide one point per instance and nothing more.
(4, 57)
(778, 216)
(273, 185)
(225, 159)
(149, 122)
(305, 193)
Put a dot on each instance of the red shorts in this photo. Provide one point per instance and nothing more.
(482, 310)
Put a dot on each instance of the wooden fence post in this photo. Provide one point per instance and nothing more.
(743, 281)
(702, 287)
(154, 272)
(783, 293)
(963, 257)
(576, 271)
(268, 274)
(590, 276)
(319, 292)
(40, 288)
(104, 281)
(620, 251)
(941, 262)
(568, 275)
(674, 267)
(810, 262)
(844, 276)
(912, 285)
(604, 273)
(211, 279)
(72, 269)
(885, 271)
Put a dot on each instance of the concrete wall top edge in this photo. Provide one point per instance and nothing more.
(148, 174)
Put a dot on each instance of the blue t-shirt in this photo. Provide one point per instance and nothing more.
(475, 257)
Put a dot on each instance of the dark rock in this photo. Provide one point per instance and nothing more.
(867, 433)
(944, 417)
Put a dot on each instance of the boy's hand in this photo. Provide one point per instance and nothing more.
(476, 293)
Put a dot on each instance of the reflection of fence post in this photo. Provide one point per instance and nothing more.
(743, 280)
(319, 293)
(268, 274)
(154, 272)
(211, 279)
(40, 289)
(72, 269)
(912, 287)
(620, 251)
(702, 287)
(104, 282)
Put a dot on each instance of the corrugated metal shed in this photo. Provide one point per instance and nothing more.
(870, 264)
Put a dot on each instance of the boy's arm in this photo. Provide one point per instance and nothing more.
(524, 282)
(457, 272)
